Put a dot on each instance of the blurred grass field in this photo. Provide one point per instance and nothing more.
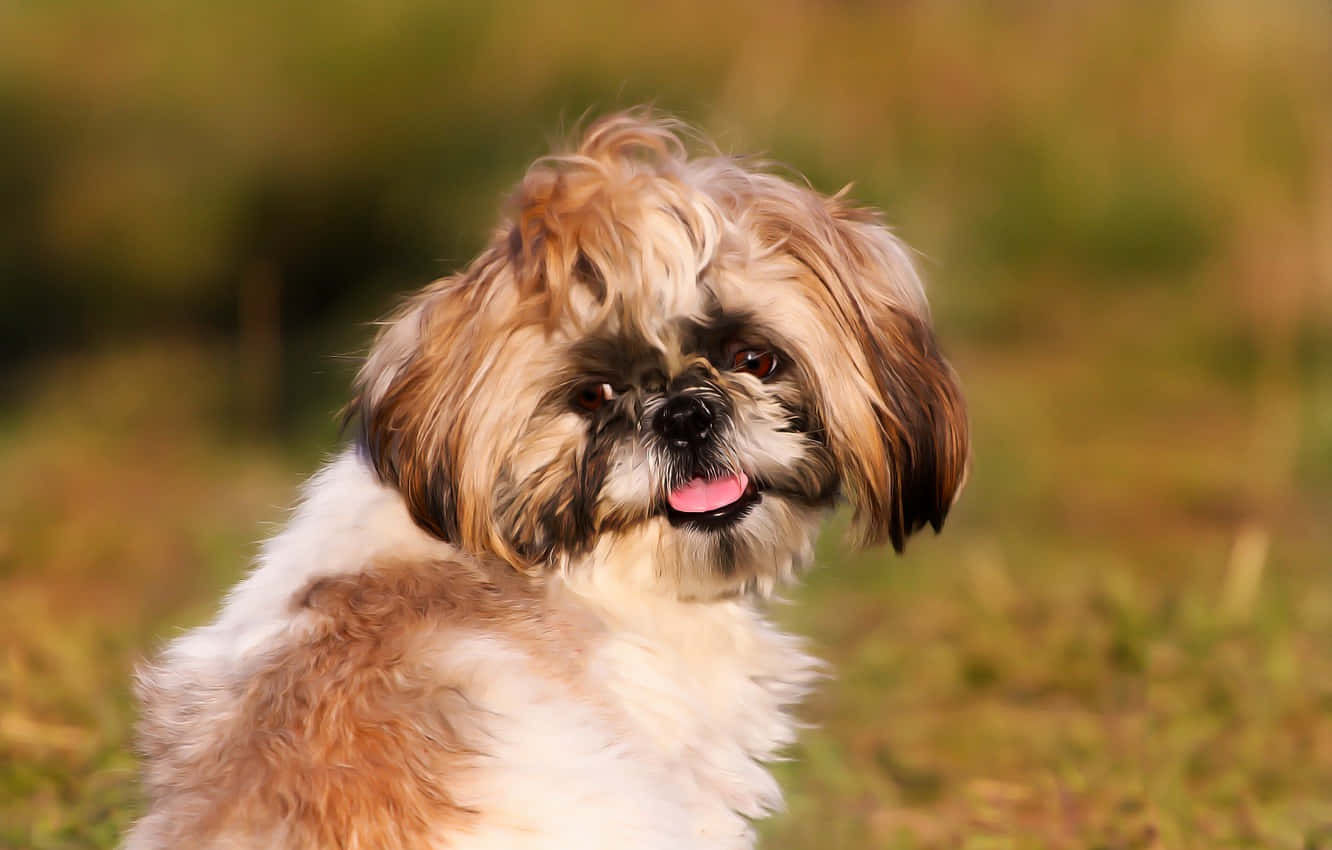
(1123, 639)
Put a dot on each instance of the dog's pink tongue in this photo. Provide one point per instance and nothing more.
(700, 496)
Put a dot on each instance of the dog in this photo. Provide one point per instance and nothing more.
(524, 608)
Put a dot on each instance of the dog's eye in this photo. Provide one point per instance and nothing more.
(758, 362)
(591, 396)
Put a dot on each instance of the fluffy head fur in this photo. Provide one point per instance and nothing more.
(628, 270)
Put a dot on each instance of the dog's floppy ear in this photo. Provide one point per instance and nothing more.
(923, 432)
(906, 475)
(432, 404)
(888, 402)
(396, 430)
(438, 399)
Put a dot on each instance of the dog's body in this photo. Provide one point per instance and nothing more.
(428, 702)
(523, 612)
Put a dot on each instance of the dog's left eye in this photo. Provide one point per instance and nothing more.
(591, 396)
(756, 361)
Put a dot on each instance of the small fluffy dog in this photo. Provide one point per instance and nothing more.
(524, 610)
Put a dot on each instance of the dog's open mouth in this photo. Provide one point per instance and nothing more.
(712, 503)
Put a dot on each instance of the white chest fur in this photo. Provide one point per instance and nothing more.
(667, 753)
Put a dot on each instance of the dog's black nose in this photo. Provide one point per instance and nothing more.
(685, 421)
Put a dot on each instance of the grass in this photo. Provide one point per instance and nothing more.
(1106, 648)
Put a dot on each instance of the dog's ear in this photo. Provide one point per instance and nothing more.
(922, 434)
(909, 469)
(888, 402)
(397, 431)
(440, 401)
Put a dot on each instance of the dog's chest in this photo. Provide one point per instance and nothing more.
(712, 693)
(660, 737)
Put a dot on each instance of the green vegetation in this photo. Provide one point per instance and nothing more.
(1122, 638)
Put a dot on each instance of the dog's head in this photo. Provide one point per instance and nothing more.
(673, 364)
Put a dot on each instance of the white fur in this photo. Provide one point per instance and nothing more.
(345, 520)
(687, 698)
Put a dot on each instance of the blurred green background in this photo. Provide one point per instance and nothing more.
(1124, 210)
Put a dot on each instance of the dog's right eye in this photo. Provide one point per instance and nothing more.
(592, 396)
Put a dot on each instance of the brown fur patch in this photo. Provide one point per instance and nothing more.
(344, 739)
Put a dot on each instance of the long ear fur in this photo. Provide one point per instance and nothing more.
(914, 474)
(431, 409)
(890, 405)
(394, 428)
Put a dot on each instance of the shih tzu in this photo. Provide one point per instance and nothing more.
(525, 608)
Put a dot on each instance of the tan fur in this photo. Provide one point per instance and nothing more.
(346, 738)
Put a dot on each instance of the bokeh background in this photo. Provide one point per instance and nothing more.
(1123, 639)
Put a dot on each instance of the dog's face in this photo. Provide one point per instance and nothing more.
(666, 365)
